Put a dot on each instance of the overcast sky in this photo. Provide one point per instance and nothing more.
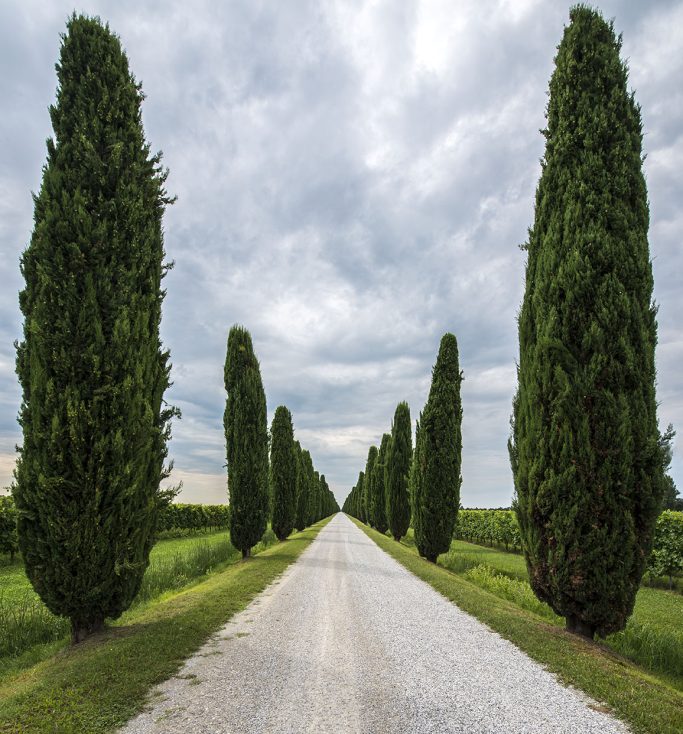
(353, 180)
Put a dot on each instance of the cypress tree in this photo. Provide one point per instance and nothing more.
(312, 481)
(415, 478)
(368, 484)
(585, 448)
(315, 499)
(283, 460)
(378, 503)
(326, 495)
(91, 364)
(359, 509)
(246, 439)
(398, 469)
(436, 468)
(301, 489)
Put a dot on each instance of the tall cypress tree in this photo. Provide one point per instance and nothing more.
(315, 499)
(327, 498)
(283, 472)
(312, 481)
(378, 502)
(91, 365)
(368, 484)
(438, 446)
(246, 439)
(398, 470)
(359, 509)
(301, 489)
(585, 448)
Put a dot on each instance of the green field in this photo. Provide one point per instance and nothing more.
(29, 631)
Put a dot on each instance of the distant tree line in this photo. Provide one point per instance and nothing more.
(399, 484)
(288, 488)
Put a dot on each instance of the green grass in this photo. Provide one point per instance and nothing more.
(98, 685)
(653, 636)
(26, 623)
(463, 556)
(650, 703)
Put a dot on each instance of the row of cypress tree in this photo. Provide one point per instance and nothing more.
(399, 484)
(288, 488)
(92, 367)
(588, 459)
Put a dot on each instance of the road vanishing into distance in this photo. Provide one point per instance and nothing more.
(347, 640)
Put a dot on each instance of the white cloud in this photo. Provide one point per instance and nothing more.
(354, 179)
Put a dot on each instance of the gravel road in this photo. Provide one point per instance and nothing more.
(347, 640)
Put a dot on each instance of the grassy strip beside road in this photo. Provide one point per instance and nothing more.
(649, 704)
(100, 684)
(653, 637)
(29, 632)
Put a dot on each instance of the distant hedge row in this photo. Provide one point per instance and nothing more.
(193, 517)
(172, 517)
(500, 527)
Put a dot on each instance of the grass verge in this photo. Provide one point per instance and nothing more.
(97, 686)
(649, 704)
(26, 624)
(653, 637)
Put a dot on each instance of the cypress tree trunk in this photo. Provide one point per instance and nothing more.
(246, 439)
(368, 484)
(378, 504)
(398, 469)
(436, 468)
(585, 447)
(283, 473)
(91, 365)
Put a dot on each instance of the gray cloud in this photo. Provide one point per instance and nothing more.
(353, 180)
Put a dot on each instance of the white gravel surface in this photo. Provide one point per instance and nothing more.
(347, 640)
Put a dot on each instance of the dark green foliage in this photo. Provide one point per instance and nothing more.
(246, 440)
(585, 448)
(369, 483)
(91, 365)
(416, 477)
(671, 500)
(283, 470)
(329, 503)
(670, 497)
(309, 478)
(314, 507)
(360, 498)
(398, 469)
(435, 491)
(193, 517)
(9, 542)
(305, 489)
(378, 510)
(301, 516)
